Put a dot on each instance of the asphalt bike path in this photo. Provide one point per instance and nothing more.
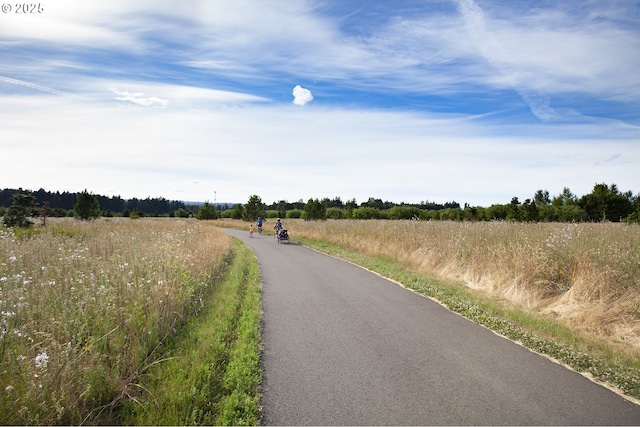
(344, 346)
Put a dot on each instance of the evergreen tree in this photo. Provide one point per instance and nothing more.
(314, 210)
(16, 216)
(87, 206)
(606, 203)
(207, 211)
(254, 208)
(238, 212)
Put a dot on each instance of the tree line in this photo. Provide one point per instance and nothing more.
(63, 203)
(604, 203)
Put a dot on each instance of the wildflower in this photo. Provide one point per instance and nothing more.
(8, 388)
(41, 360)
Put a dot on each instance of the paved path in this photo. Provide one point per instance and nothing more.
(343, 346)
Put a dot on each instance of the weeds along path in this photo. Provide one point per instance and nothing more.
(211, 372)
(342, 345)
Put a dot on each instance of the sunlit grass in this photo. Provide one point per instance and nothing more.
(86, 307)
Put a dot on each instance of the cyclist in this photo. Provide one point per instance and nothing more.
(259, 223)
(277, 227)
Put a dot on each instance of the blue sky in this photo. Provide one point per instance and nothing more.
(407, 101)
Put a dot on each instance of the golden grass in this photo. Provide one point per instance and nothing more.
(587, 275)
(86, 306)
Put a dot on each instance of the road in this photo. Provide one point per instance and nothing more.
(344, 346)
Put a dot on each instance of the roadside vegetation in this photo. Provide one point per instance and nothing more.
(570, 291)
(210, 373)
(90, 308)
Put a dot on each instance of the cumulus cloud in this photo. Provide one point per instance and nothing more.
(301, 96)
(137, 98)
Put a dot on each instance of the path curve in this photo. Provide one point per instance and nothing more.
(344, 346)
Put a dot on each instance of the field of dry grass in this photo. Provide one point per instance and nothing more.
(585, 275)
(85, 308)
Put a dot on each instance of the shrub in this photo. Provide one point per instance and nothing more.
(294, 213)
(366, 212)
(336, 213)
(404, 212)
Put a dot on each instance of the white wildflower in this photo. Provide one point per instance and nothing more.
(41, 360)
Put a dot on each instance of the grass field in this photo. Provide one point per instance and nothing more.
(87, 307)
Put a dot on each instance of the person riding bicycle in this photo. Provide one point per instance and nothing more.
(259, 223)
(278, 227)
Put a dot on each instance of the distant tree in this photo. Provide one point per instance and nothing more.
(374, 203)
(404, 212)
(365, 212)
(335, 213)
(207, 211)
(471, 213)
(606, 203)
(87, 206)
(542, 198)
(349, 206)
(45, 212)
(333, 203)
(497, 212)
(452, 205)
(238, 212)
(314, 210)
(294, 213)
(634, 217)
(529, 211)
(452, 214)
(254, 208)
(514, 210)
(181, 213)
(565, 198)
(22, 207)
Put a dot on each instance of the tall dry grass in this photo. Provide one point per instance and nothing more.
(585, 275)
(85, 307)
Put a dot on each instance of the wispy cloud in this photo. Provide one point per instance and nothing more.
(139, 99)
(32, 86)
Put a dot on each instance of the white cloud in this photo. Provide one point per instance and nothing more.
(301, 96)
(139, 99)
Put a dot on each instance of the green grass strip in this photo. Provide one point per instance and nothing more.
(210, 373)
(535, 332)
